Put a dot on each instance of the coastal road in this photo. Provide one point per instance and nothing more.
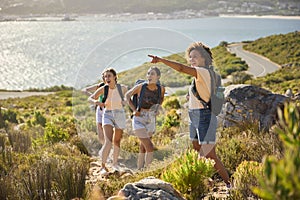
(258, 65)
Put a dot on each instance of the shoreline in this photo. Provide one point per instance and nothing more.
(13, 94)
(136, 17)
(261, 16)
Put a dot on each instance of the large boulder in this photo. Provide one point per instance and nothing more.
(148, 188)
(246, 103)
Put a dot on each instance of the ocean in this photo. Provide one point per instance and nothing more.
(40, 54)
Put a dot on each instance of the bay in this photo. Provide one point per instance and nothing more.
(40, 54)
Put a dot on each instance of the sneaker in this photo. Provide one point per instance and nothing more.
(116, 168)
(228, 188)
(103, 171)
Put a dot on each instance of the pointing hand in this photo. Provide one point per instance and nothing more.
(155, 59)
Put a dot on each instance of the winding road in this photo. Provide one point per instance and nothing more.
(258, 65)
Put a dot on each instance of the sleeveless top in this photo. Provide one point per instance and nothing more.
(113, 101)
(203, 88)
(150, 98)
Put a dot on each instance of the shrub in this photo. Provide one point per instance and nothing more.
(39, 119)
(44, 175)
(188, 174)
(171, 103)
(54, 133)
(172, 119)
(282, 176)
(246, 177)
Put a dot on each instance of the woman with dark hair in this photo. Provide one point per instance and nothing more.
(144, 117)
(114, 119)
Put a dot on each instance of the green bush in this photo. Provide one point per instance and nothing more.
(188, 174)
(172, 119)
(54, 134)
(282, 176)
(246, 177)
(44, 175)
(39, 119)
(7, 116)
(171, 103)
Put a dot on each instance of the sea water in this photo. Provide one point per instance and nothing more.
(40, 54)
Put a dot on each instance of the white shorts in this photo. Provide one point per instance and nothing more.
(99, 114)
(115, 118)
(146, 120)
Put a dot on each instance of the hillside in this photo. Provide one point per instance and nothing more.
(46, 143)
(283, 49)
(205, 7)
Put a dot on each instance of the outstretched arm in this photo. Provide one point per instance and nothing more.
(175, 65)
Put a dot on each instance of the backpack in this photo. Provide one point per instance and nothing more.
(137, 100)
(106, 88)
(217, 98)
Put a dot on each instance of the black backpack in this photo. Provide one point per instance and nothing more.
(217, 99)
(137, 101)
(106, 88)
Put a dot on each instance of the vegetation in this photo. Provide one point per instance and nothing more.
(47, 143)
(283, 49)
(281, 178)
(226, 62)
(189, 175)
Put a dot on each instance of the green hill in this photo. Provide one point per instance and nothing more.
(283, 49)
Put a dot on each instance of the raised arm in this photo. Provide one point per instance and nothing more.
(175, 65)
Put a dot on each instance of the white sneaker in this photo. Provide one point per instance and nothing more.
(116, 168)
(103, 171)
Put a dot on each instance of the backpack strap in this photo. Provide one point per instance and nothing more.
(120, 91)
(159, 93)
(106, 88)
(139, 104)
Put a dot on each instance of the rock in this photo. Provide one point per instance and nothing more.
(250, 103)
(148, 188)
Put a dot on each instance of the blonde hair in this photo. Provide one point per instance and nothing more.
(202, 49)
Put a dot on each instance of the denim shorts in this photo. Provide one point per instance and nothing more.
(147, 120)
(99, 114)
(203, 126)
(115, 118)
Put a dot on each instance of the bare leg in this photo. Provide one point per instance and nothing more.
(196, 145)
(149, 147)
(117, 144)
(100, 133)
(108, 133)
(141, 157)
(210, 152)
